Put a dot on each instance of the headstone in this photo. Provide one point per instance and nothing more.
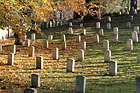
(61, 23)
(132, 18)
(80, 84)
(83, 45)
(96, 38)
(64, 45)
(11, 59)
(136, 28)
(46, 44)
(113, 68)
(50, 38)
(70, 65)
(63, 38)
(78, 39)
(135, 36)
(70, 23)
(115, 38)
(55, 53)
(99, 17)
(33, 36)
(30, 90)
(51, 24)
(31, 51)
(105, 45)
(81, 55)
(84, 32)
(81, 24)
(115, 30)
(107, 56)
(35, 80)
(109, 19)
(135, 11)
(138, 84)
(0, 48)
(70, 30)
(101, 32)
(97, 25)
(39, 62)
(13, 49)
(27, 43)
(129, 44)
(138, 57)
(108, 25)
(128, 25)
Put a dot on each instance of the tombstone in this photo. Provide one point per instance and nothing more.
(84, 32)
(70, 23)
(33, 36)
(97, 25)
(55, 53)
(99, 17)
(35, 80)
(105, 45)
(109, 19)
(81, 55)
(78, 39)
(81, 24)
(83, 45)
(129, 44)
(115, 38)
(113, 68)
(96, 38)
(135, 36)
(39, 62)
(70, 65)
(61, 23)
(132, 18)
(138, 57)
(128, 25)
(135, 11)
(115, 30)
(138, 84)
(13, 49)
(0, 48)
(30, 90)
(108, 25)
(107, 56)
(51, 24)
(46, 44)
(80, 84)
(11, 59)
(50, 38)
(31, 51)
(27, 43)
(101, 32)
(136, 28)
(64, 45)
(63, 38)
(70, 30)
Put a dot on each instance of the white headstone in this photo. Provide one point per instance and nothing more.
(97, 25)
(136, 28)
(55, 53)
(70, 23)
(96, 38)
(78, 39)
(64, 45)
(63, 38)
(81, 24)
(35, 80)
(39, 62)
(50, 38)
(70, 30)
(113, 68)
(115, 30)
(27, 43)
(46, 44)
(70, 65)
(84, 32)
(33, 36)
(132, 18)
(81, 55)
(101, 32)
(109, 19)
(107, 56)
(115, 38)
(129, 44)
(13, 49)
(128, 25)
(0, 48)
(108, 25)
(135, 36)
(11, 59)
(138, 57)
(105, 45)
(51, 24)
(31, 51)
(83, 45)
(135, 11)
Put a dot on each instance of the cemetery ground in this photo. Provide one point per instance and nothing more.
(55, 79)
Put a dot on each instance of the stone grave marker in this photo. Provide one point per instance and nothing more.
(135, 11)
(136, 28)
(129, 44)
(11, 59)
(83, 45)
(132, 18)
(138, 84)
(128, 25)
(115, 38)
(0, 48)
(109, 19)
(13, 49)
(113, 68)
(78, 39)
(135, 36)
(63, 38)
(107, 56)
(70, 65)
(46, 44)
(31, 51)
(30, 90)
(84, 32)
(70, 30)
(27, 43)
(138, 57)
(55, 53)
(101, 32)
(81, 55)
(39, 62)
(97, 25)
(115, 30)
(33, 36)
(108, 25)
(64, 45)
(35, 80)
(81, 24)
(70, 23)
(105, 45)
(50, 38)
(96, 38)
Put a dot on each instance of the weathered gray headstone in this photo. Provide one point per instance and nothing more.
(31, 51)
(50, 38)
(35, 80)
(70, 23)
(39, 62)
(46, 44)
(108, 25)
(63, 38)
(107, 56)
(61, 23)
(138, 57)
(27, 43)
(115, 30)
(129, 44)
(113, 68)
(81, 55)
(135, 11)
(105, 45)
(80, 84)
(84, 32)
(128, 25)
(97, 25)
(96, 38)
(115, 38)
(78, 39)
(30, 90)
(136, 28)
(13, 49)
(11, 59)
(101, 32)
(83, 45)
(81, 24)
(55, 53)
(64, 45)
(33, 36)
(51, 24)
(70, 30)
(70, 65)
(138, 84)
(135, 36)
(132, 18)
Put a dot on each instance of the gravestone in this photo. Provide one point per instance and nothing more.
(81, 24)
(138, 84)
(96, 38)
(55, 53)
(97, 25)
(30, 90)
(61, 23)
(115, 38)
(115, 30)
(31, 51)
(109, 19)
(51, 24)
(129, 44)
(33, 36)
(132, 18)
(11, 59)
(83, 45)
(105, 45)
(46, 44)
(108, 25)
(70, 23)
(63, 38)
(39, 62)
(80, 84)
(64, 45)
(135, 11)
(78, 39)
(136, 28)
(113, 68)
(107, 56)
(70, 65)
(35, 80)
(101, 32)
(81, 55)
(138, 57)
(135, 36)
(13, 49)
(27, 43)
(128, 25)
(50, 38)
(70, 30)
(0, 48)
(84, 32)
